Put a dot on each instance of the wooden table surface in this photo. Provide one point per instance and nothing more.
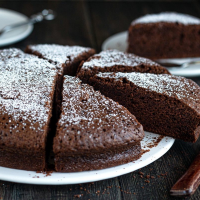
(89, 23)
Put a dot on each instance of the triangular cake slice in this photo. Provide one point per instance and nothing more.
(66, 57)
(116, 61)
(164, 104)
(26, 97)
(93, 131)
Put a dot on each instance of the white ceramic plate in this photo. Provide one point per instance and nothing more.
(30, 177)
(119, 41)
(9, 17)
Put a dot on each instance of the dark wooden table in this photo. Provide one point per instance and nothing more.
(89, 23)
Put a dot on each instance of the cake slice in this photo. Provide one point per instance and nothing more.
(93, 131)
(66, 57)
(164, 104)
(116, 61)
(165, 35)
(26, 97)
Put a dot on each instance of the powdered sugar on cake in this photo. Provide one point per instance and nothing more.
(58, 53)
(169, 17)
(112, 58)
(87, 113)
(26, 88)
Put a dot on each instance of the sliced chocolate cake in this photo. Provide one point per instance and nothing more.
(26, 98)
(66, 57)
(116, 61)
(165, 35)
(93, 131)
(164, 104)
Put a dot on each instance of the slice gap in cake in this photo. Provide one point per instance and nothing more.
(116, 61)
(67, 59)
(93, 131)
(164, 104)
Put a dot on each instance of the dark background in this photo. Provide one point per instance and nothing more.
(89, 23)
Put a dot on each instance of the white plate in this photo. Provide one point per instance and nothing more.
(9, 17)
(119, 41)
(30, 177)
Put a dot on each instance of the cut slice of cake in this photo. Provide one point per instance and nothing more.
(26, 97)
(116, 61)
(66, 57)
(93, 131)
(164, 104)
(165, 35)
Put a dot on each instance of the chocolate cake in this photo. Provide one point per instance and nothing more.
(165, 35)
(93, 131)
(116, 61)
(66, 57)
(164, 104)
(26, 97)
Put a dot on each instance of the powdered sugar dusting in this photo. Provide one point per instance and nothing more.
(89, 119)
(173, 86)
(26, 87)
(110, 58)
(10, 53)
(59, 53)
(169, 17)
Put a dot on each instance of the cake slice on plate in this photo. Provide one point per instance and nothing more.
(165, 35)
(26, 97)
(93, 131)
(116, 61)
(164, 104)
(66, 57)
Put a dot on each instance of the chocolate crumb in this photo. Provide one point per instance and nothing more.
(141, 173)
(147, 176)
(78, 195)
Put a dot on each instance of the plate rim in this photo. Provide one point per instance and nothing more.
(103, 46)
(18, 37)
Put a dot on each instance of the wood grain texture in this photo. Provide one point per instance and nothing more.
(89, 23)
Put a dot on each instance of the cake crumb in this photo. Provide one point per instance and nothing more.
(78, 195)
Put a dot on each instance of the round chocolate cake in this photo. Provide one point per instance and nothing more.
(43, 109)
